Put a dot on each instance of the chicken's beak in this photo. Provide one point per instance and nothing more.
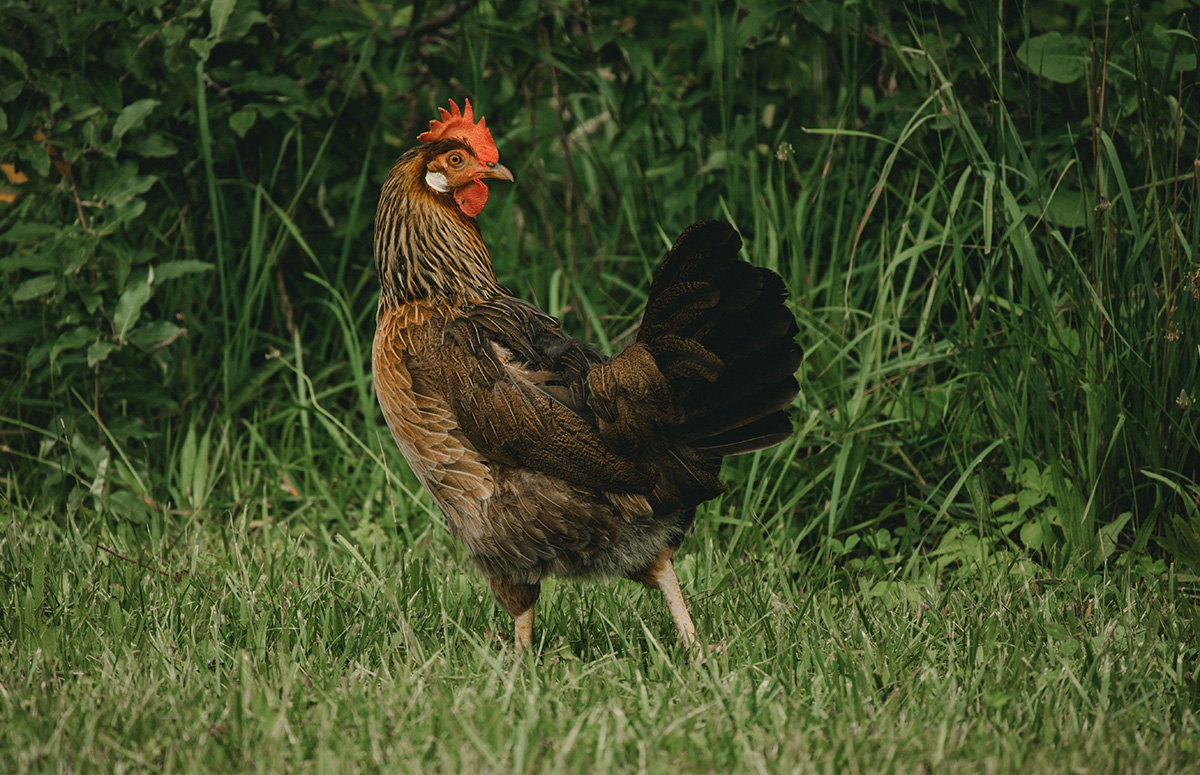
(497, 171)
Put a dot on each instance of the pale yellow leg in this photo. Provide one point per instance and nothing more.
(523, 635)
(518, 599)
(663, 576)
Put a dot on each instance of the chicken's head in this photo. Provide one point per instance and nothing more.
(466, 155)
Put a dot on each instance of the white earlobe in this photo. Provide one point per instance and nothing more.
(437, 181)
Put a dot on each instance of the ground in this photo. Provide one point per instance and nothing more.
(237, 646)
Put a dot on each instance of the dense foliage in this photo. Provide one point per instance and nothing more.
(988, 215)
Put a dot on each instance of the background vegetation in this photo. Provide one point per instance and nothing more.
(987, 215)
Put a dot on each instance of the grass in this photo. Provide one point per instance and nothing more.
(239, 645)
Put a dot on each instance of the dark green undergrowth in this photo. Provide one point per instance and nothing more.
(981, 545)
(987, 219)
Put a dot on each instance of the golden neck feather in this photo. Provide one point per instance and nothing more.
(425, 247)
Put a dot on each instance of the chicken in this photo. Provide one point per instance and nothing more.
(546, 456)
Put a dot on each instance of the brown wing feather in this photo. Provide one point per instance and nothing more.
(516, 385)
(423, 426)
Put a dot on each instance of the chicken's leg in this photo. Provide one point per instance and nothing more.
(523, 632)
(661, 576)
(518, 600)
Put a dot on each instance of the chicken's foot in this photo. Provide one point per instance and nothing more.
(661, 576)
(518, 600)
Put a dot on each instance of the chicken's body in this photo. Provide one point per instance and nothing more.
(546, 456)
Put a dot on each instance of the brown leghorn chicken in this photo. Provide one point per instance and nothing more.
(545, 455)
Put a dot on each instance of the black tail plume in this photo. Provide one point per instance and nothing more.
(721, 334)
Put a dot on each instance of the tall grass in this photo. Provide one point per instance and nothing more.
(988, 233)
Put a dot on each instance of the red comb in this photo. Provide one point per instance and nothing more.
(462, 126)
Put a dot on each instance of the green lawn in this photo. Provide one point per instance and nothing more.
(236, 647)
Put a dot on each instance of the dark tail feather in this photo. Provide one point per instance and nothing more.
(720, 332)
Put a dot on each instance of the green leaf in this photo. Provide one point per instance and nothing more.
(241, 121)
(1060, 59)
(129, 306)
(132, 116)
(10, 92)
(169, 270)
(20, 329)
(35, 287)
(99, 351)
(1031, 535)
(219, 13)
(134, 186)
(150, 335)
(1110, 532)
(72, 340)
(273, 85)
(1057, 631)
(1067, 208)
(154, 146)
(36, 262)
(187, 457)
(27, 230)
(16, 59)
(36, 157)
(1028, 498)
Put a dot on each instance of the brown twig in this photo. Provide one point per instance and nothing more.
(429, 23)
(285, 302)
(64, 168)
(170, 340)
(145, 40)
(176, 577)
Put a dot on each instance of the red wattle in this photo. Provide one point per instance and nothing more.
(472, 197)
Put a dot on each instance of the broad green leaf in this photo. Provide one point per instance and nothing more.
(20, 329)
(1058, 58)
(219, 13)
(1031, 535)
(150, 335)
(1067, 208)
(73, 340)
(129, 306)
(241, 121)
(1057, 631)
(35, 287)
(35, 262)
(132, 116)
(99, 351)
(134, 186)
(36, 157)
(1027, 499)
(16, 59)
(281, 85)
(1109, 533)
(25, 230)
(153, 145)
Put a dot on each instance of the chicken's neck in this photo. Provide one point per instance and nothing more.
(425, 248)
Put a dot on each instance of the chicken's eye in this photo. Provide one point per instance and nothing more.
(455, 159)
